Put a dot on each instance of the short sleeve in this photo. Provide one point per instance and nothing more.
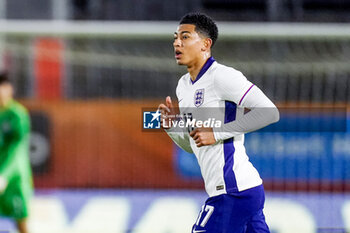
(231, 85)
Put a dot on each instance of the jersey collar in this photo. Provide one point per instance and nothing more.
(204, 69)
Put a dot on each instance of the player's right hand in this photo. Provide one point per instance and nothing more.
(203, 136)
(3, 184)
(168, 113)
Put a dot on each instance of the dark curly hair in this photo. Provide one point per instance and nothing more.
(4, 78)
(203, 24)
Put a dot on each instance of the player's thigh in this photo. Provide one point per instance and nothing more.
(257, 224)
(216, 217)
(14, 203)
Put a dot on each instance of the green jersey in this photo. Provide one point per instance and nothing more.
(14, 160)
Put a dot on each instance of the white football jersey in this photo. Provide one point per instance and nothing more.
(225, 166)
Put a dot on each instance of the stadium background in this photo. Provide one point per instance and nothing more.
(86, 79)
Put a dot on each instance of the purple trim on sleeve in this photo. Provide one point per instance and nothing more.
(245, 94)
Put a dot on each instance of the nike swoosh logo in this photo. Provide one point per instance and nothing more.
(179, 100)
(197, 231)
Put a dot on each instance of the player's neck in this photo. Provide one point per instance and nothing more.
(196, 67)
(5, 103)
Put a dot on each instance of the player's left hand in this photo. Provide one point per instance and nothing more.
(203, 136)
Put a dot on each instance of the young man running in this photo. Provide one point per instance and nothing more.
(236, 195)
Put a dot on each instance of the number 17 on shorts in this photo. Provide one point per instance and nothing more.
(203, 219)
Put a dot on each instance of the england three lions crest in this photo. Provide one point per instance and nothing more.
(199, 97)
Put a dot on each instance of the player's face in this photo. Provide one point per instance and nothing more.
(188, 45)
(6, 93)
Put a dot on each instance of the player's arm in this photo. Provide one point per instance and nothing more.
(9, 150)
(261, 111)
(233, 86)
(177, 134)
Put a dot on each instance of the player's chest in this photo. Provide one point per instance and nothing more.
(198, 95)
(6, 128)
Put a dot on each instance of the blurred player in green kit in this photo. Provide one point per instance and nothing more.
(16, 184)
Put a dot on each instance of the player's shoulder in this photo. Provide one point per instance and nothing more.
(183, 82)
(185, 79)
(18, 107)
(223, 74)
(18, 110)
(223, 70)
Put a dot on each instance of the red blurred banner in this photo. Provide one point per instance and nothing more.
(48, 68)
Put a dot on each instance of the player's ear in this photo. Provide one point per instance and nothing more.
(207, 44)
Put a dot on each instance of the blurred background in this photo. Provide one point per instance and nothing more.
(86, 69)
